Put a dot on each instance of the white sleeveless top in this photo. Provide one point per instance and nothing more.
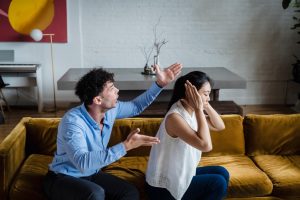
(172, 163)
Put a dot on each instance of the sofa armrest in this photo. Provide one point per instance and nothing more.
(12, 155)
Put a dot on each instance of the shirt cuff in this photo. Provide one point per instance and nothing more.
(155, 88)
(119, 150)
(158, 85)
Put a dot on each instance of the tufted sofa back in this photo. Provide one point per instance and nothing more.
(272, 134)
(41, 135)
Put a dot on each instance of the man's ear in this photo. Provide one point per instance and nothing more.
(97, 100)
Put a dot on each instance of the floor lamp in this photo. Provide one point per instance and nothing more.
(37, 35)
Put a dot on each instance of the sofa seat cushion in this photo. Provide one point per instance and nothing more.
(246, 179)
(284, 172)
(28, 183)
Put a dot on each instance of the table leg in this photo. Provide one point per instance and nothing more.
(39, 89)
(214, 96)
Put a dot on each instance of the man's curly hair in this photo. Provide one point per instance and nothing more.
(92, 84)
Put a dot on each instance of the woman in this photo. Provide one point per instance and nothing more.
(172, 171)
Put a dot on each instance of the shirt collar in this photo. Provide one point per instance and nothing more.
(90, 119)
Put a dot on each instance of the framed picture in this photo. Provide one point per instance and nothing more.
(56, 23)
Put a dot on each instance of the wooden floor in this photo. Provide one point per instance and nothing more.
(16, 113)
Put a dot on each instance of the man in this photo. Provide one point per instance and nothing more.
(83, 135)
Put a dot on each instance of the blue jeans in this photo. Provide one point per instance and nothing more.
(209, 183)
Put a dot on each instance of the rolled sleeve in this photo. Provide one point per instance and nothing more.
(118, 150)
(138, 104)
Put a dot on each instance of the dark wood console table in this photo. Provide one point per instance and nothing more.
(131, 82)
(131, 79)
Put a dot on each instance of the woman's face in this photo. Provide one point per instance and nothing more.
(204, 92)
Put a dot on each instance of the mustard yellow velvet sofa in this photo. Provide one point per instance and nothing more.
(261, 153)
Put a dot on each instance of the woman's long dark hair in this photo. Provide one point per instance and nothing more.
(197, 78)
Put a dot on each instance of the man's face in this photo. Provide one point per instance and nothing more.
(109, 95)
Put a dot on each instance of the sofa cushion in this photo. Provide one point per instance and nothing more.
(229, 141)
(121, 129)
(246, 179)
(284, 172)
(147, 127)
(272, 134)
(28, 183)
(41, 135)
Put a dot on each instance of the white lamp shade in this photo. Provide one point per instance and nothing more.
(36, 34)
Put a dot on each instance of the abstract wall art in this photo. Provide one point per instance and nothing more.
(19, 17)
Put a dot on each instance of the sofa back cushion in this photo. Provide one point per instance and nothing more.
(120, 131)
(272, 134)
(229, 141)
(148, 126)
(41, 135)
(122, 127)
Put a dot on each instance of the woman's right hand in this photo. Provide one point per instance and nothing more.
(193, 98)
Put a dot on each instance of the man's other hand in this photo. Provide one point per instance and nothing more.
(134, 140)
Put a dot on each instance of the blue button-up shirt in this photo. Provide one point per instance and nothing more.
(81, 149)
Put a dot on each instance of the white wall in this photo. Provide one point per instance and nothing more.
(249, 37)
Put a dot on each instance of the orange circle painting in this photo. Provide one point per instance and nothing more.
(26, 15)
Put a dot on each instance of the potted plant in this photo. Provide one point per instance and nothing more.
(296, 18)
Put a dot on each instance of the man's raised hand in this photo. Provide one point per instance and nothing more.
(164, 77)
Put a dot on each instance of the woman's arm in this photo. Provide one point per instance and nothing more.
(214, 120)
(176, 126)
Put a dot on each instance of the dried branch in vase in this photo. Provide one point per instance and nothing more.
(147, 53)
(157, 42)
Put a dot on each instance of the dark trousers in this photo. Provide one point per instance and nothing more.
(209, 183)
(99, 186)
